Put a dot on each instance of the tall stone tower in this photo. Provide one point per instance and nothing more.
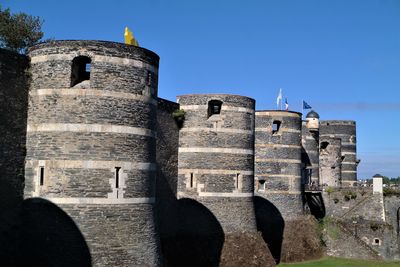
(310, 150)
(278, 160)
(91, 144)
(216, 157)
(346, 131)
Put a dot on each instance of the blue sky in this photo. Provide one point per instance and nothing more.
(342, 56)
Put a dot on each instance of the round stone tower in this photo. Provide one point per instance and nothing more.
(346, 131)
(216, 157)
(310, 151)
(278, 162)
(91, 144)
(330, 161)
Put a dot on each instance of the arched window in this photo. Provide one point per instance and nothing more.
(80, 70)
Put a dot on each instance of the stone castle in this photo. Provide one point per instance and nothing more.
(85, 132)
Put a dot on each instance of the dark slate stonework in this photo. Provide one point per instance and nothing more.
(80, 161)
(124, 230)
(278, 164)
(14, 82)
(222, 178)
(346, 131)
(330, 161)
(310, 154)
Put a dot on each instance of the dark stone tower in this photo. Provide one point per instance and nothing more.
(91, 146)
(346, 131)
(310, 149)
(278, 160)
(216, 157)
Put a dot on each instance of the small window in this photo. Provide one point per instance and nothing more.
(191, 180)
(149, 78)
(214, 107)
(80, 70)
(324, 145)
(377, 241)
(237, 180)
(276, 125)
(117, 169)
(41, 178)
(261, 185)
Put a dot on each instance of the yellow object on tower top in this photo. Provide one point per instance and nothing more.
(129, 38)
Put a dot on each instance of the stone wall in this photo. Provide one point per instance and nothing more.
(346, 131)
(278, 162)
(310, 154)
(330, 161)
(14, 81)
(91, 144)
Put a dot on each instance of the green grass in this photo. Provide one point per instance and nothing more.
(339, 262)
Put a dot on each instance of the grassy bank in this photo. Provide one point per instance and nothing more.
(338, 262)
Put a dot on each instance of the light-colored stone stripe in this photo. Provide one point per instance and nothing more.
(224, 107)
(278, 160)
(277, 145)
(277, 113)
(219, 130)
(43, 58)
(336, 135)
(95, 164)
(266, 192)
(349, 171)
(280, 130)
(92, 92)
(279, 175)
(348, 163)
(215, 150)
(91, 128)
(216, 194)
(98, 200)
(348, 144)
(348, 153)
(208, 171)
(106, 59)
(125, 62)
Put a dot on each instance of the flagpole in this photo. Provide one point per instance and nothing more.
(302, 108)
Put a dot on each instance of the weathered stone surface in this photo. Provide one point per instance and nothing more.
(216, 169)
(346, 131)
(97, 145)
(278, 162)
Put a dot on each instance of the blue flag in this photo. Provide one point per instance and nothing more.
(306, 106)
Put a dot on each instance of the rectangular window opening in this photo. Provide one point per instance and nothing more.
(237, 180)
(275, 126)
(117, 176)
(191, 180)
(41, 180)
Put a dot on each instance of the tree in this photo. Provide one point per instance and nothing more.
(19, 31)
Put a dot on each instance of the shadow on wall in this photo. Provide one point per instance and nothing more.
(316, 204)
(13, 123)
(271, 225)
(199, 238)
(49, 237)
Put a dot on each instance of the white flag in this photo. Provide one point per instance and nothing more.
(279, 98)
